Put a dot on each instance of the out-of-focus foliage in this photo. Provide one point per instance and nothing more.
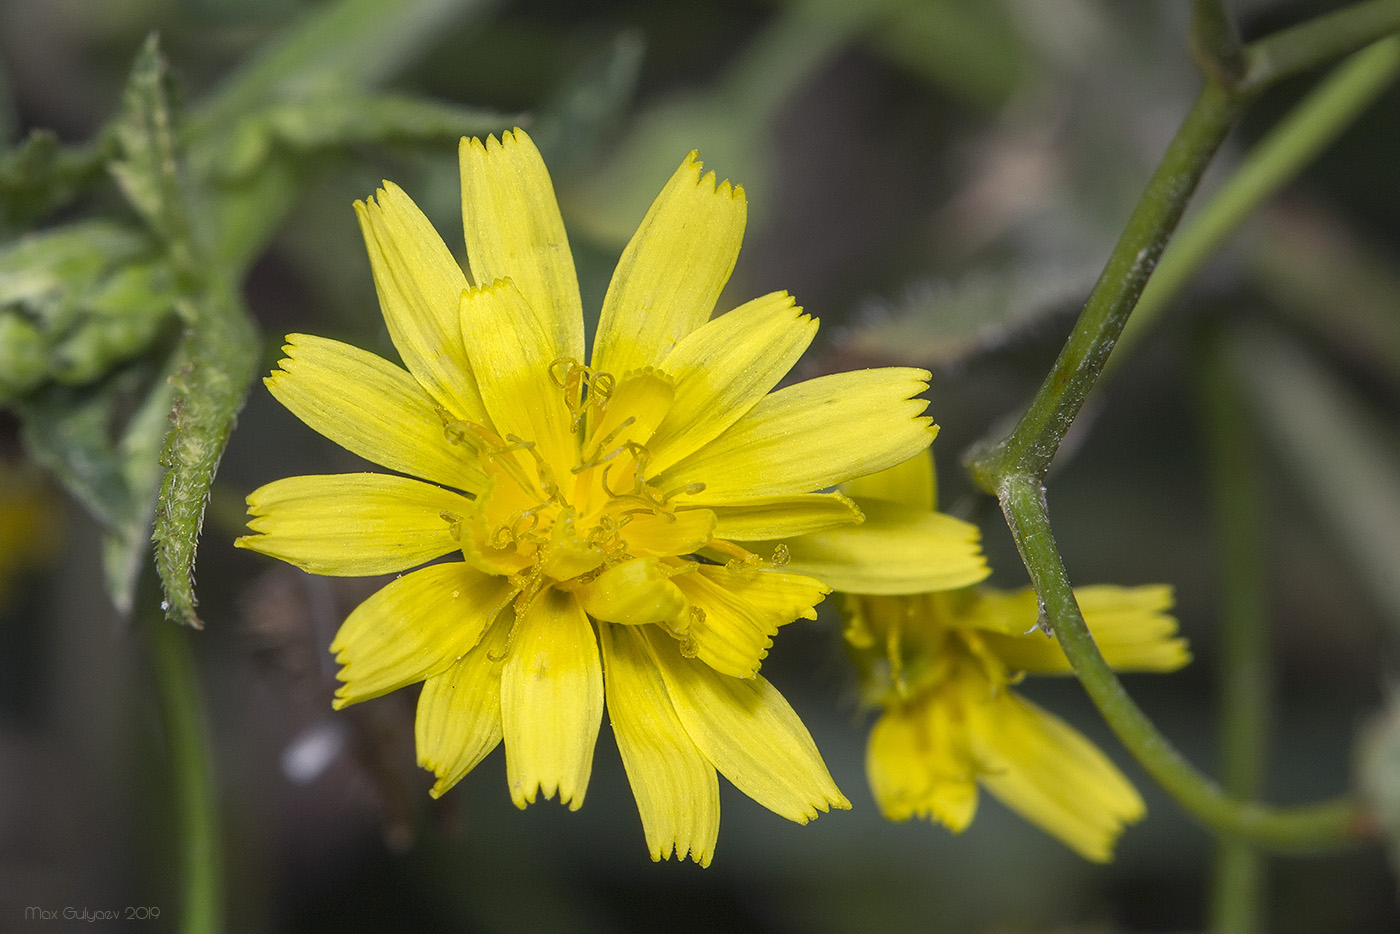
(77, 301)
(76, 304)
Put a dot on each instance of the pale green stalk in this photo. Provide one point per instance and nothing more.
(1244, 679)
(182, 711)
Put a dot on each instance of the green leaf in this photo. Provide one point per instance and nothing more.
(48, 275)
(40, 176)
(124, 315)
(340, 47)
(378, 118)
(216, 362)
(146, 166)
(269, 108)
(23, 356)
(138, 458)
(322, 122)
(106, 458)
(1345, 457)
(77, 301)
(69, 432)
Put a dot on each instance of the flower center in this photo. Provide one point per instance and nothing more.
(919, 642)
(556, 524)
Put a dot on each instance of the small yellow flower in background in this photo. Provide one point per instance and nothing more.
(605, 514)
(28, 524)
(941, 666)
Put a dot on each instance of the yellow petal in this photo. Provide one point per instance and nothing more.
(742, 609)
(912, 483)
(755, 518)
(513, 230)
(368, 406)
(918, 765)
(748, 732)
(634, 409)
(350, 525)
(415, 627)
(813, 435)
(672, 271)
(675, 786)
(1046, 771)
(897, 550)
(513, 358)
(662, 534)
(954, 803)
(634, 593)
(418, 283)
(724, 367)
(896, 765)
(1130, 626)
(504, 498)
(551, 701)
(459, 711)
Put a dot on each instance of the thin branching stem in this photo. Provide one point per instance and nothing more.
(1215, 43)
(1014, 467)
(1276, 160)
(1032, 445)
(1328, 825)
(1317, 42)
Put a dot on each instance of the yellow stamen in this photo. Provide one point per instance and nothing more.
(584, 388)
(594, 459)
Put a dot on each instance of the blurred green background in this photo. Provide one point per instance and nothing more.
(938, 181)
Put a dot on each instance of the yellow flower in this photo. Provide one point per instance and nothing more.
(941, 666)
(601, 512)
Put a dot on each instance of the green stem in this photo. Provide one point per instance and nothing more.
(1031, 446)
(1328, 825)
(1317, 42)
(1014, 467)
(1215, 44)
(1244, 671)
(1277, 159)
(182, 712)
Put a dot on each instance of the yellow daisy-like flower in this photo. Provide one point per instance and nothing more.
(941, 666)
(600, 512)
